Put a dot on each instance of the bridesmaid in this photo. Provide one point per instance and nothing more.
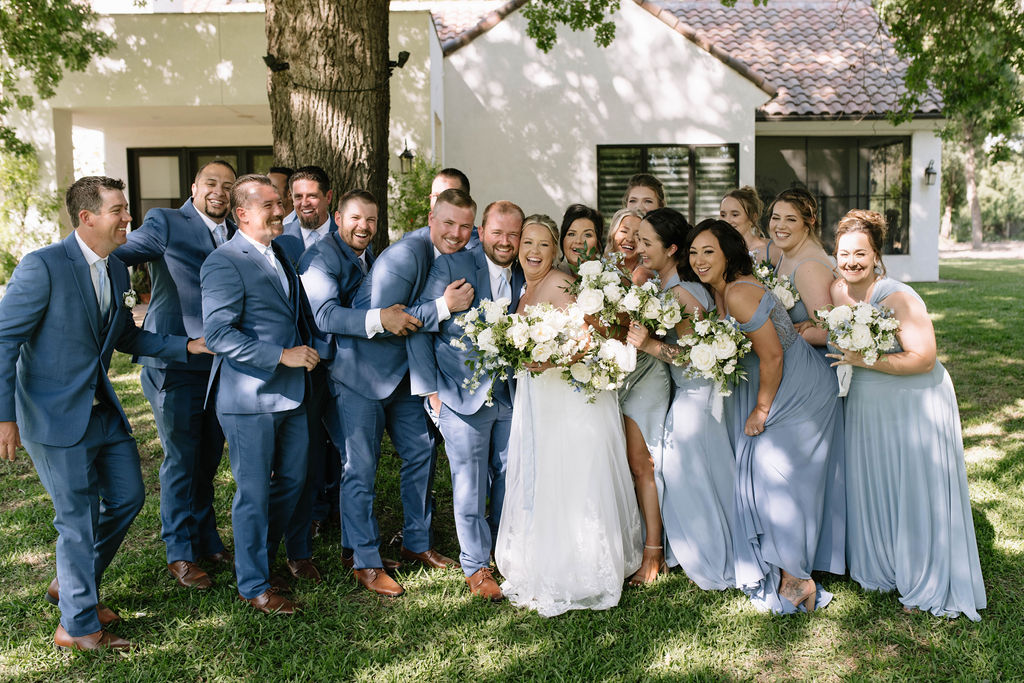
(741, 208)
(644, 400)
(795, 230)
(644, 193)
(582, 231)
(781, 420)
(909, 514)
(696, 459)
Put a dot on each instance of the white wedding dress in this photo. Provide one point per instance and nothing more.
(570, 528)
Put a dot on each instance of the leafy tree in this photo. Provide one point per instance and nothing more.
(408, 202)
(39, 41)
(26, 211)
(972, 51)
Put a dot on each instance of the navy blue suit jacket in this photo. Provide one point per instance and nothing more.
(55, 350)
(174, 242)
(293, 244)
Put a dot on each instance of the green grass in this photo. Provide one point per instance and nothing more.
(668, 631)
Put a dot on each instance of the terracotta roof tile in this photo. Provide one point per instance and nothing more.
(825, 57)
(452, 18)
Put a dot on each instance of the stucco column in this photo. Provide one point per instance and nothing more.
(925, 205)
(63, 161)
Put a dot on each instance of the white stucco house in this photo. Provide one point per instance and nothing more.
(704, 96)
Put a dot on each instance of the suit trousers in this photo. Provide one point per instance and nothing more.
(96, 488)
(259, 445)
(477, 449)
(363, 422)
(193, 444)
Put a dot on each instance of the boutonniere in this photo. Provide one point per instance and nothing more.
(130, 298)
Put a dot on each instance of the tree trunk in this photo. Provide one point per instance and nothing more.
(946, 227)
(971, 181)
(330, 106)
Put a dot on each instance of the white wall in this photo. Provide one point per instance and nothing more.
(524, 126)
(922, 263)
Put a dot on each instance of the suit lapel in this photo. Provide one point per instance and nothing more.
(483, 276)
(119, 285)
(261, 262)
(80, 272)
(517, 287)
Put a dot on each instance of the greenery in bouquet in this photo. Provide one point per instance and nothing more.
(861, 328)
(779, 285)
(657, 310)
(599, 288)
(603, 367)
(713, 352)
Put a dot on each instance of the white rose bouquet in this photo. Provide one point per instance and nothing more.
(603, 367)
(861, 328)
(655, 309)
(713, 352)
(601, 287)
(779, 285)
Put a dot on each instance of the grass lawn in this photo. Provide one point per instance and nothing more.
(669, 630)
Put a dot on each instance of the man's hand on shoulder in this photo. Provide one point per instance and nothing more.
(300, 357)
(395, 320)
(10, 440)
(197, 346)
(458, 296)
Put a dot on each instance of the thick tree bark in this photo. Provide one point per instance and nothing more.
(330, 106)
(971, 182)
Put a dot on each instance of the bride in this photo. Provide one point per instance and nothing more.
(570, 529)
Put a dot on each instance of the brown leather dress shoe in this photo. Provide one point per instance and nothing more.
(91, 641)
(429, 557)
(223, 557)
(189, 575)
(305, 569)
(482, 583)
(269, 602)
(348, 561)
(379, 582)
(106, 615)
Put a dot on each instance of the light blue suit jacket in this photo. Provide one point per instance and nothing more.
(175, 242)
(293, 244)
(397, 277)
(249, 320)
(434, 352)
(50, 330)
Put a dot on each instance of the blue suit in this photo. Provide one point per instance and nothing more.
(475, 435)
(54, 354)
(249, 319)
(374, 392)
(291, 240)
(175, 242)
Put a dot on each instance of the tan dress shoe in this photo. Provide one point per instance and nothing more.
(107, 616)
(91, 641)
(348, 561)
(379, 582)
(305, 569)
(189, 575)
(429, 557)
(270, 602)
(482, 583)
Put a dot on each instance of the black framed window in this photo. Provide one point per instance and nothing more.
(695, 176)
(843, 173)
(162, 176)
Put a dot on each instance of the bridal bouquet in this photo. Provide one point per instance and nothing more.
(713, 352)
(861, 328)
(779, 285)
(605, 290)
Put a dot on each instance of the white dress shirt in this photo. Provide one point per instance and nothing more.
(218, 238)
(268, 253)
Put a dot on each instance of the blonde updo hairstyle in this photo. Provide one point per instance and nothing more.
(752, 205)
(805, 204)
(613, 225)
(544, 220)
(872, 224)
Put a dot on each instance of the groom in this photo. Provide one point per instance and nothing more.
(476, 435)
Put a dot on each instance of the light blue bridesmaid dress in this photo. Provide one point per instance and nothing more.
(644, 397)
(784, 519)
(908, 510)
(698, 472)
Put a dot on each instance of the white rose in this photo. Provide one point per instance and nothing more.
(839, 314)
(784, 296)
(631, 301)
(519, 333)
(600, 380)
(863, 313)
(889, 324)
(729, 368)
(860, 335)
(493, 312)
(590, 301)
(843, 341)
(542, 352)
(702, 357)
(652, 310)
(590, 268)
(485, 342)
(608, 278)
(580, 372)
(613, 292)
(670, 316)
(650, 286)
(542, 332)
(609, 350)
(702, 327)
(471, 315)
(724, 347)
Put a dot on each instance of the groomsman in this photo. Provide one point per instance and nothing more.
(375, 393)
(311, 195)
(67, 307)
(279, 175)
(475, 434)
(452, 179)
(253, 316)
(175, 242)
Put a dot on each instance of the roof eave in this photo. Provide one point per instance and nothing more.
(451, 45)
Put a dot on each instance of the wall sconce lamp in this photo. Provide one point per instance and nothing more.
(930, 174)
(405, 159)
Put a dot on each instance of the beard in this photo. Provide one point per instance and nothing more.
(311, 223)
